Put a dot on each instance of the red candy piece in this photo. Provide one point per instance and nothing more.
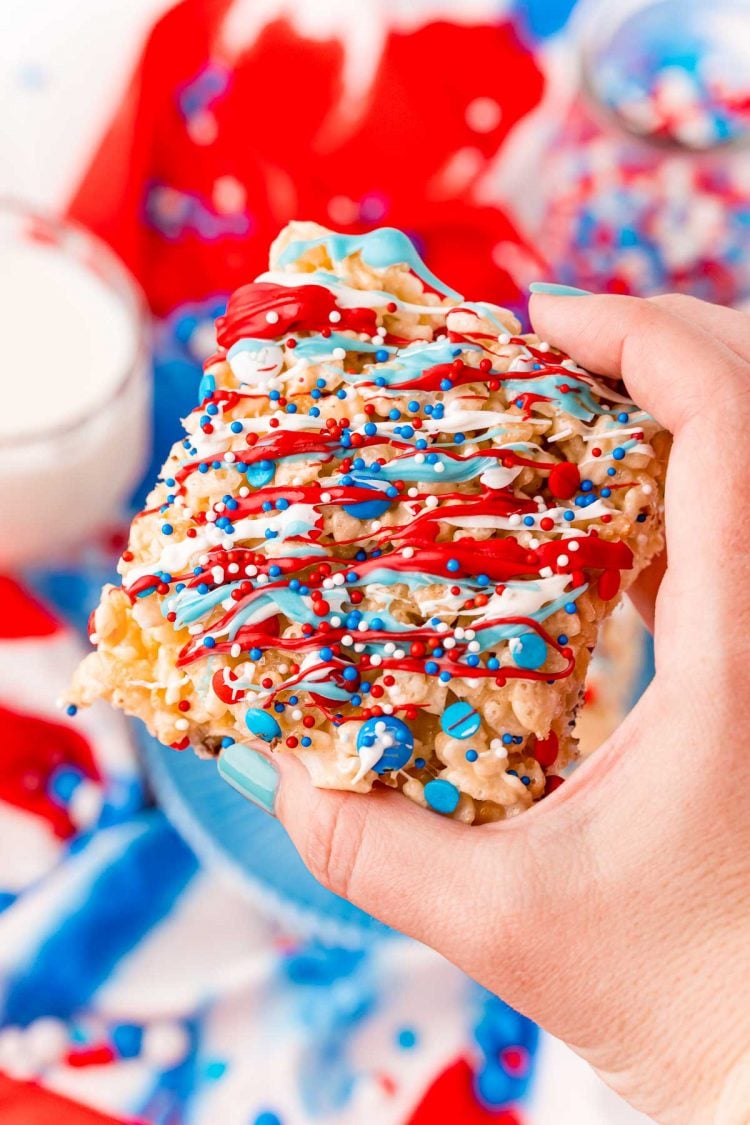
(564, 480)
(608, 584)
(545, 750)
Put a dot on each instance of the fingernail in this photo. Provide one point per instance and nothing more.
(549, 289)
(251, 774)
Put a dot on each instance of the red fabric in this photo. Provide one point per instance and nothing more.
(20, 615)
(451, 1098)
(23, 1103)
(282, 134)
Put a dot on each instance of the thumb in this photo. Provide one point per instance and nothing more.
(428, 876)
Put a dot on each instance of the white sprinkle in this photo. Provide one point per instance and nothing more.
(296, 714)
(193, 630)
(325, 498)
(347, 640)
(203, 560)
(336, 621)
(94, 638)
(533, 542)
(442, 627)
(449, 642)
(375, 525)
(283, 668)
(439, 467)
(233, 568)
(470, 634)
(244, 491)
(546, 572)
(389, 648)
(376, 660)
(217, 573)
(388, 708)
(359, 648)
(514, 520)
(272, 317)
(573, 545)
(339, 353)
(334, 316)
(251, 571)
(211, 517)
(362, 627)
(408, 552)
(235, 650)
(181, 724)
(263, 580)
(646, 489)
(419, 458)
(431, 502)
(230, 457)
(474, 646)
(339, 579)
(544, 346)
(458, 632)
(503, 338)
(562, 560)
(399, 654)
(327, 583)
(413, 492)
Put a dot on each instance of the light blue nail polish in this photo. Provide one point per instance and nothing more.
(550, 289)
(251, 774)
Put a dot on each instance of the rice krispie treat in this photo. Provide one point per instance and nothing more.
(387, 540)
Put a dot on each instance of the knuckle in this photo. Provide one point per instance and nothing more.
(333, 840)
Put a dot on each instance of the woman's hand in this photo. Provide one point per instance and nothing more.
(615, 913)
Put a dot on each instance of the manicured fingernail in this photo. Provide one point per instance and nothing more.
(251, 774)
(551, 290)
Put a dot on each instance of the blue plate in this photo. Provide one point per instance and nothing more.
(226, 831)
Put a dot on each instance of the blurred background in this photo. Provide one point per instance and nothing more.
(164, 958)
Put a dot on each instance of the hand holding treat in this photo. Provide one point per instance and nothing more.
(616, 912)
(388, 540)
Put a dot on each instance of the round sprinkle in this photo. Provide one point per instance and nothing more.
(441, 795)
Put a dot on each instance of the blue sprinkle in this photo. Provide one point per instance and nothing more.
(431, 668)
(471, 755)
(414, 406)
(203, 468)
(569, 516)
(570, 607)
(212, 408)
(261, 724)
(526, 780)
(306, 740)
(445, 677)
(278, 707)
(459, 439)
(611, 472)
(71, 709)
(529, 651)
(236, 427)
(507, 739)
(209, 642)
(586, 485)
(203, 588)
(453, 565)
(419, 763)
(460, 720)
(562, 639)
(618, 453)
(623, 417)
(381, 355)
(376, 623)
(226, 741)
(441, 795)
(326, 654)
(255, 653)
(528, 521)
(605, 492)
(167, 529)
(350, 673)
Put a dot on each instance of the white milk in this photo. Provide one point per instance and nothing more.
(73, 391)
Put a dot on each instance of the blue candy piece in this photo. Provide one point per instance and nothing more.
(460, 720)
(368, 509)
(261, 473)
(441, 795)
(382, 730)
(261, 724)
(206, 387)
(529, 651)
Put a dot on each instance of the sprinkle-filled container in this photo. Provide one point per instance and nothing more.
(75, 387)
(648, 168)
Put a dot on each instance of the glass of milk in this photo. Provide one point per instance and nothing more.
(74, 388)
